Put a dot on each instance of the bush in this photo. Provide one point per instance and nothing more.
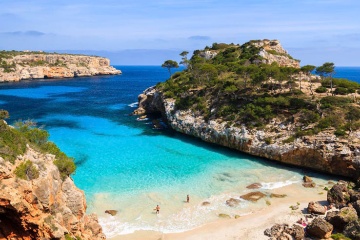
(330, 101)
(341, 91)
(289, 140)
(308, 116)
(339, 132)
(27, 171)
(321, 89)
(65, 166)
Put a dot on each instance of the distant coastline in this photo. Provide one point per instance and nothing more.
(16, 66)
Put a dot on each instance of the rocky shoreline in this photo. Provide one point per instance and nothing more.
(47, 207)
(322, 152)
(40, 66)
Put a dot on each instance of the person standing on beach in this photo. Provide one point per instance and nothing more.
(187, 198)
(157, 209)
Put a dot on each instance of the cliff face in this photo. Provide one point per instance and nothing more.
(272, 51)
(322, 152)
(35, 66)
(43, 208)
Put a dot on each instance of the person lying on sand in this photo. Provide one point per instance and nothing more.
(302, 222)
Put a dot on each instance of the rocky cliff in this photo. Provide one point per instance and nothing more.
(238, 98)
(322, 152)
(47, 207)
(20, 65)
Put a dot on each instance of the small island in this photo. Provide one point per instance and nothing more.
(21, 65)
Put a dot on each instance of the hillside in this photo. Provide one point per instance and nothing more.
(255, 98)
(38, 199)
(15, 66)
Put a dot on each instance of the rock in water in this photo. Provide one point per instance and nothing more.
(254, 186)
(352, 230)
(253, 196)
(111, 212)
(232, 202)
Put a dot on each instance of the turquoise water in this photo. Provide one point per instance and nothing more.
(124, 164)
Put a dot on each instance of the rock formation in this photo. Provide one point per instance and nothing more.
(44, 65)
(47, 207)
(272, 51)
(323, 151)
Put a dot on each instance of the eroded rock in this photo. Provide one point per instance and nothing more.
(320, 228)
(253, 196)
(317, 208)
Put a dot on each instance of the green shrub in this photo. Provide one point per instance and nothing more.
(66, 167)
(289, 139)
(27, 171)
(321, 89)
(339, 236)
(341, 91)
(339, 132)
(268, 140)
(12, 142)
(308, 116)
(330, 101)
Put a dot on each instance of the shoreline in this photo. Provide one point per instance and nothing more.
(251, 226)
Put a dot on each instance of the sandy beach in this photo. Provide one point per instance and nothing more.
(251, 226)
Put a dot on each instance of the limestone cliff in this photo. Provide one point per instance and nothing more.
(43, 208)
(322, 152)
(255, 98)
(19, 66)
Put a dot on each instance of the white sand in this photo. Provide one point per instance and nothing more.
(251, 226)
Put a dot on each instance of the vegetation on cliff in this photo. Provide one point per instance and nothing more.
(250, 85)
(13, 141)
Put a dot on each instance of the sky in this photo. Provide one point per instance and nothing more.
(143, 32)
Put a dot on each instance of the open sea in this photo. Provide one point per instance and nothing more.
(126, 165)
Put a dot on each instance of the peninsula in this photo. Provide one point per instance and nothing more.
(255, 98)
(16, 66)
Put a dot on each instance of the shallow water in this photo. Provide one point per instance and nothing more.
(124, 164)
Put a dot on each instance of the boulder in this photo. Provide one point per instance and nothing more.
(352, 230)
(254, 186)
(307, 179)
(308, 182)
(253, 196)
(283, 231)
(111, 212)
(317, 208)
(232, 202)
(341, 218)
(320, 228)
(338, 194)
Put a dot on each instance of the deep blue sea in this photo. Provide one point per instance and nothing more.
(126, 165)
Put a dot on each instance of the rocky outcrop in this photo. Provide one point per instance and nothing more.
(320, 228)
(37, 66)
(317, 208)
(47, 207)
(272, 51)
(284, 231)
(323, 152)
(341, 218)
